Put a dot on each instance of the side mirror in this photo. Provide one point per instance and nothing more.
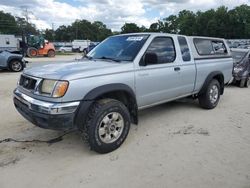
(149, 59)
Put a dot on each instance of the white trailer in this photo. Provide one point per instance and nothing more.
(80, 45)
(9, 43)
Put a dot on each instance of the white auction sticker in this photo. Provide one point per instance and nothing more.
(134, 38)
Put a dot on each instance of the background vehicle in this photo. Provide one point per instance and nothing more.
(101, 95)
(9, 43)
(90, 47)
(80, 45)
(12, 62)
(38, 46)
(67, 48)
(241, 71)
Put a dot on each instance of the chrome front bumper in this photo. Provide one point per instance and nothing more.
(46, 107)
(48, 115)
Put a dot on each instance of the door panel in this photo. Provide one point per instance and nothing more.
(155, 84)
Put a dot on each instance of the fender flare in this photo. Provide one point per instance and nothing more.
(216, 74)
(106, 89)
(97, 92)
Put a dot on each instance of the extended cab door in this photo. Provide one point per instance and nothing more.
(156, 78)
(187, 73)
(159, 77)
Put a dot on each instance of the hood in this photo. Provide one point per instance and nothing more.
(77, 69)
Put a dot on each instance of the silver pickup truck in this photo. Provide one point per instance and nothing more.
(101, 94)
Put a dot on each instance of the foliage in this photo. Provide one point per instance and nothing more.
(220, 22)
(130, 28)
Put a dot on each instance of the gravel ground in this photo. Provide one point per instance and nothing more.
(177, 144)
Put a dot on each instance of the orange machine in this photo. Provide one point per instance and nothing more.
(47, 49)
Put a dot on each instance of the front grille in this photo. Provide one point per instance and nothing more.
(27, 82)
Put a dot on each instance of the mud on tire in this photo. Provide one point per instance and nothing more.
(210, 98)
(99, 125)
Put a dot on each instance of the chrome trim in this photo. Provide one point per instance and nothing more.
(38, 81)
(46, 107)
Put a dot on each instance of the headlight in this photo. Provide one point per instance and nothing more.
(54, 88)
(48, 86)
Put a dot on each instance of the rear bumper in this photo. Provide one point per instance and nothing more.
(56, 116)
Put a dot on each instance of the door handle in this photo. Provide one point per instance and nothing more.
(177, 69)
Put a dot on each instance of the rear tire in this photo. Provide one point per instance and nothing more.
(107, 125)
(247, 82)
(210, 98)
(32, 52)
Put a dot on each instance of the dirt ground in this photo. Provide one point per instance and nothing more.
(175, 145)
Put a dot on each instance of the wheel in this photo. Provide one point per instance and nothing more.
(107, 125)
(210, 98)
(247, 83)
(242, 83)
(16, 66)
(32, 52)
(51, 53)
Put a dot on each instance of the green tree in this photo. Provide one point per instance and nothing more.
(8, 24)
(49, 34)
(130, 28)
(187, 23)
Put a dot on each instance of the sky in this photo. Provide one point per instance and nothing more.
(113, 13)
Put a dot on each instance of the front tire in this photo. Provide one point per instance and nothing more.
(210, 98)
(51, 53)
(107, 125)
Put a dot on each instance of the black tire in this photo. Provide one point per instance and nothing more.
(16, 65)
(51, 53)
(242, 83)
(205, 100)
(32, 52)
(99, 111)
(247, 83)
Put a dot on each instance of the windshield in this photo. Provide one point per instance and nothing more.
(119, 48)
(238, 56)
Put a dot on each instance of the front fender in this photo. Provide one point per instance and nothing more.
(90, 97)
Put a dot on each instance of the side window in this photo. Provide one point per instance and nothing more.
(164, 50)
(184, 49)
(210, 47)
(204, 46)
(219, 47)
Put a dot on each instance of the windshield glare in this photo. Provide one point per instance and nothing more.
(119, 48)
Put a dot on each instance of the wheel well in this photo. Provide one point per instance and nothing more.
(214, 75)
(13, 59)
(126, 98)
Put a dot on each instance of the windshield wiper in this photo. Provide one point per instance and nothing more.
(109, 58)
